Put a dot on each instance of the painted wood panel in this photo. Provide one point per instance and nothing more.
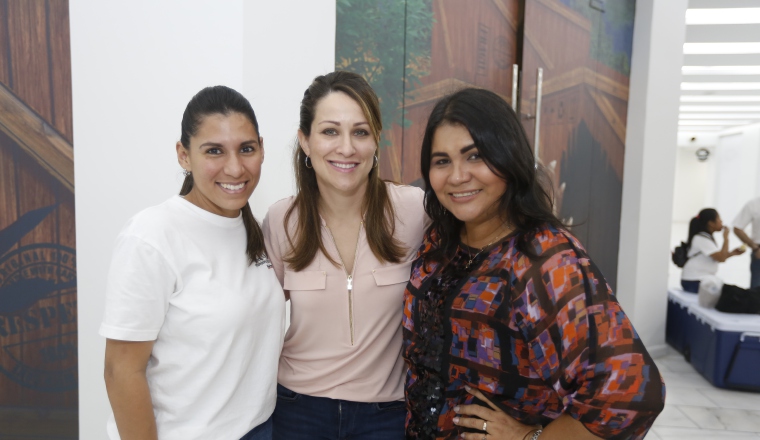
(38, 326)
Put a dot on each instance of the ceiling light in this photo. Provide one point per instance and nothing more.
(720, 98)
(720, 108)
(723, 16)
(720, 70)
(710, 128)
(713, 122)
(720, 86)
(721, 48)
(719, 115)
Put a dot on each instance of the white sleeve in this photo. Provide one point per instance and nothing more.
(744, 217)
(140, 283)
(703, 245)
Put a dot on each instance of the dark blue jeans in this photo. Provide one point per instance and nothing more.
(261, 432)
(754, 269)
(690, 286)
(302, 417)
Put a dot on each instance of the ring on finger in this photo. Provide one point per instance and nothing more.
(484, 437)
(485, 427)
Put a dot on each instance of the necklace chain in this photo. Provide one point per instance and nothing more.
(473, 257)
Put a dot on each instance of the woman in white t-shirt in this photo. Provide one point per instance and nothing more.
(704, 253)
(194, 315)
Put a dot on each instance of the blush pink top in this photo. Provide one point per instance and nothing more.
(340, 344)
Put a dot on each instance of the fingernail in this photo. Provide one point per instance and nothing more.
(467, 387)
(456, 420)
(456, 409)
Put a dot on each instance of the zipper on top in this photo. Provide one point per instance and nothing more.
(349, 278)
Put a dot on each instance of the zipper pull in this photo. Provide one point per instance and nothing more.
(350, 283)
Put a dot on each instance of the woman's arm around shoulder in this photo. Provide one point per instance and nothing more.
(275, 238)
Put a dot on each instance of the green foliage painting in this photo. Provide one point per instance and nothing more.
(388, 43)
(612, 31)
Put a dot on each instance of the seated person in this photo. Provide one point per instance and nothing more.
(704, 253)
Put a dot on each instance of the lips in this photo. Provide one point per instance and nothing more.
(232, 187)
(344, 165)
(463, 194)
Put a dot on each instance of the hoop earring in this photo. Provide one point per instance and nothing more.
(186, 173)
(377, 162)
(307, 162)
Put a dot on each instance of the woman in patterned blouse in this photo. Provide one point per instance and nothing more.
(510, 330)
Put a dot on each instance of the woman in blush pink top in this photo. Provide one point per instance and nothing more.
(342, 248)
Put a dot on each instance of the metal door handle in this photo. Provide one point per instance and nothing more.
(539, 83)
(515, 74)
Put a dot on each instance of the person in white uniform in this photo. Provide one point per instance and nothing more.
(194, 316)
(704, 253)
(750, 215)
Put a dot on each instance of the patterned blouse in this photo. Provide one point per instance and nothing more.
(539, 336)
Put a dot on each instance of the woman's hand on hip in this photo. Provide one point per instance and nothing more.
(493, 423)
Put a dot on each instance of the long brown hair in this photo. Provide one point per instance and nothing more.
(379, 215)
(222, 100)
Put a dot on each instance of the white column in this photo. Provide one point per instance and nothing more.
(135, 65)
(287, 44)
(650, 160)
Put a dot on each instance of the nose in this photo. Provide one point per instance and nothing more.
(460, 173)
(234, 166)
(346, 145)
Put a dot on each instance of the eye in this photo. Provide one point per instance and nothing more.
(440, 161)
(361, 132)
(330, 131)
(474, 156)
(214, 151)
(248, 149)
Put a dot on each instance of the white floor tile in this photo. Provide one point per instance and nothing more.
(704, 417)
(732, 399)
(684, 395)
(673, 417)
(690, 380)
(668, 433)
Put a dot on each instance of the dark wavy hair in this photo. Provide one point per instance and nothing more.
(222, 100)
(501, 142)
(699, 223)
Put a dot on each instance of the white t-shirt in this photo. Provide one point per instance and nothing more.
(180, 276)
(700, 263)
(750, 213)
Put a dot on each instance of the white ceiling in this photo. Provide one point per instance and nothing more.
(720, 91)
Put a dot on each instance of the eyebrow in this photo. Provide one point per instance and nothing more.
(218, 145)
(338, 123)
(462, 151)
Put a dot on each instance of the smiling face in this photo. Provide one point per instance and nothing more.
(462, 180)
(341, 146)
(224, 157)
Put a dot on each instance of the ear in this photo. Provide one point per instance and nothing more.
(304, 143)
(261, 145)
(182, 157)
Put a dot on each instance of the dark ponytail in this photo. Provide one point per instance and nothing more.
(223, 100)
(699, 223)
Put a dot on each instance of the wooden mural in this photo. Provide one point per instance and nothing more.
(584, 49)
(38, 294)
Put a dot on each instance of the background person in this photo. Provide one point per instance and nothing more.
(510, 330)
(342, 247)
(194, 313)
(750, 214)
(704, 253)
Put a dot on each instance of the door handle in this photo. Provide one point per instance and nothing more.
(515, 74)
(536, 133)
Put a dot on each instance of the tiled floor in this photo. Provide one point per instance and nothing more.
(696, 410)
